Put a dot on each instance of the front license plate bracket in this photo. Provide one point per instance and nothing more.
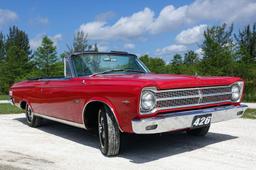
(201, 120)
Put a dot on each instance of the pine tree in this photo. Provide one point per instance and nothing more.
(246, 66)
(190, 63)
(191, 58)
(2, 47)
(176, 64)
(46, 57)
(18, 38)
(15, 57)
(80, 44)
(246, 40)
(218, 49)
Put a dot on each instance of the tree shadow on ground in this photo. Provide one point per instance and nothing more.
(138, 148)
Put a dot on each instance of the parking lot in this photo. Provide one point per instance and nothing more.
(229, 145)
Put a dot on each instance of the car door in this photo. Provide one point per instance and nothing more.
(63, 98)
(34, 97)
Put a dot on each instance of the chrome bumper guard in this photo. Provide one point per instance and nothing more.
(183, 120)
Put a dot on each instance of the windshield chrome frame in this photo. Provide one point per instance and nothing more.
(140, 63)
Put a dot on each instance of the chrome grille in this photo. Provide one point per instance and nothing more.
(167, 99)
(209, 99)
(176, 93)
(178, 102)
(216, 90)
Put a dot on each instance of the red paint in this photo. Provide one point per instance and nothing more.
(65, 99)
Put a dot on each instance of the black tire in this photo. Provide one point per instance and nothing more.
(199, 131)
(109, 134)
(32, 120)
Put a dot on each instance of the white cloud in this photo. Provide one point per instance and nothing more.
(56, 38)
(204, 10)
(199, 52)
(37, 40)
(7, 16)
(129, 46)
(171, 49)
(126, 27)
(170, 18)
(105, 16)
(191, 35)
(223, 11)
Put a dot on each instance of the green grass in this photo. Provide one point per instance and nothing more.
(8, 109)
(4, 97)
(250, 114)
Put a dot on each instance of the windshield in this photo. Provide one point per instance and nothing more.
(92, 64)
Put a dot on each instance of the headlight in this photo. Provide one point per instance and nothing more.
(148, 101)
(237, 90)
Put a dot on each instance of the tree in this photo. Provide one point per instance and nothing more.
(177, 60)
(191, 63)
(80, 43)
(191, 58)
(18, 38)
(156, 65)
(218, 48)
(246, 41)
(176, 64)
(46, 57)
(2, 47)
(246, 65)
(15, 57)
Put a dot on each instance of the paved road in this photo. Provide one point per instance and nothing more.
(251, 105)
(229, 145)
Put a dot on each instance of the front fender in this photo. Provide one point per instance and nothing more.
(109, 104)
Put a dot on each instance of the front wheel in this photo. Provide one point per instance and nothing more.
(32, 120)
(199, 131)
(109, 134)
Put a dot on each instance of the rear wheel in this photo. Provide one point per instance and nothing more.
(109, 134)
(32, 120)
(199, 131)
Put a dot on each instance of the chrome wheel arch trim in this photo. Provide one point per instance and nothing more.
(111, 108)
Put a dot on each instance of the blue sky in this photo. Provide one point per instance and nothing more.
(156, 27)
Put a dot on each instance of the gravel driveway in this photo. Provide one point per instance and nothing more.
(229, 145)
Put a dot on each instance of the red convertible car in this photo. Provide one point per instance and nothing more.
(115, 93)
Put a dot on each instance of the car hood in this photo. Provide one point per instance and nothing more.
(163, 81)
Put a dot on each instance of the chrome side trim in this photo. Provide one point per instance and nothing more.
(183, 120)
(61, 120)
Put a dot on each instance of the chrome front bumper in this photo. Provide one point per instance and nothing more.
(183, 120)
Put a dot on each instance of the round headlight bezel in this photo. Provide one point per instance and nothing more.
(147, 101)
(236, 91)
